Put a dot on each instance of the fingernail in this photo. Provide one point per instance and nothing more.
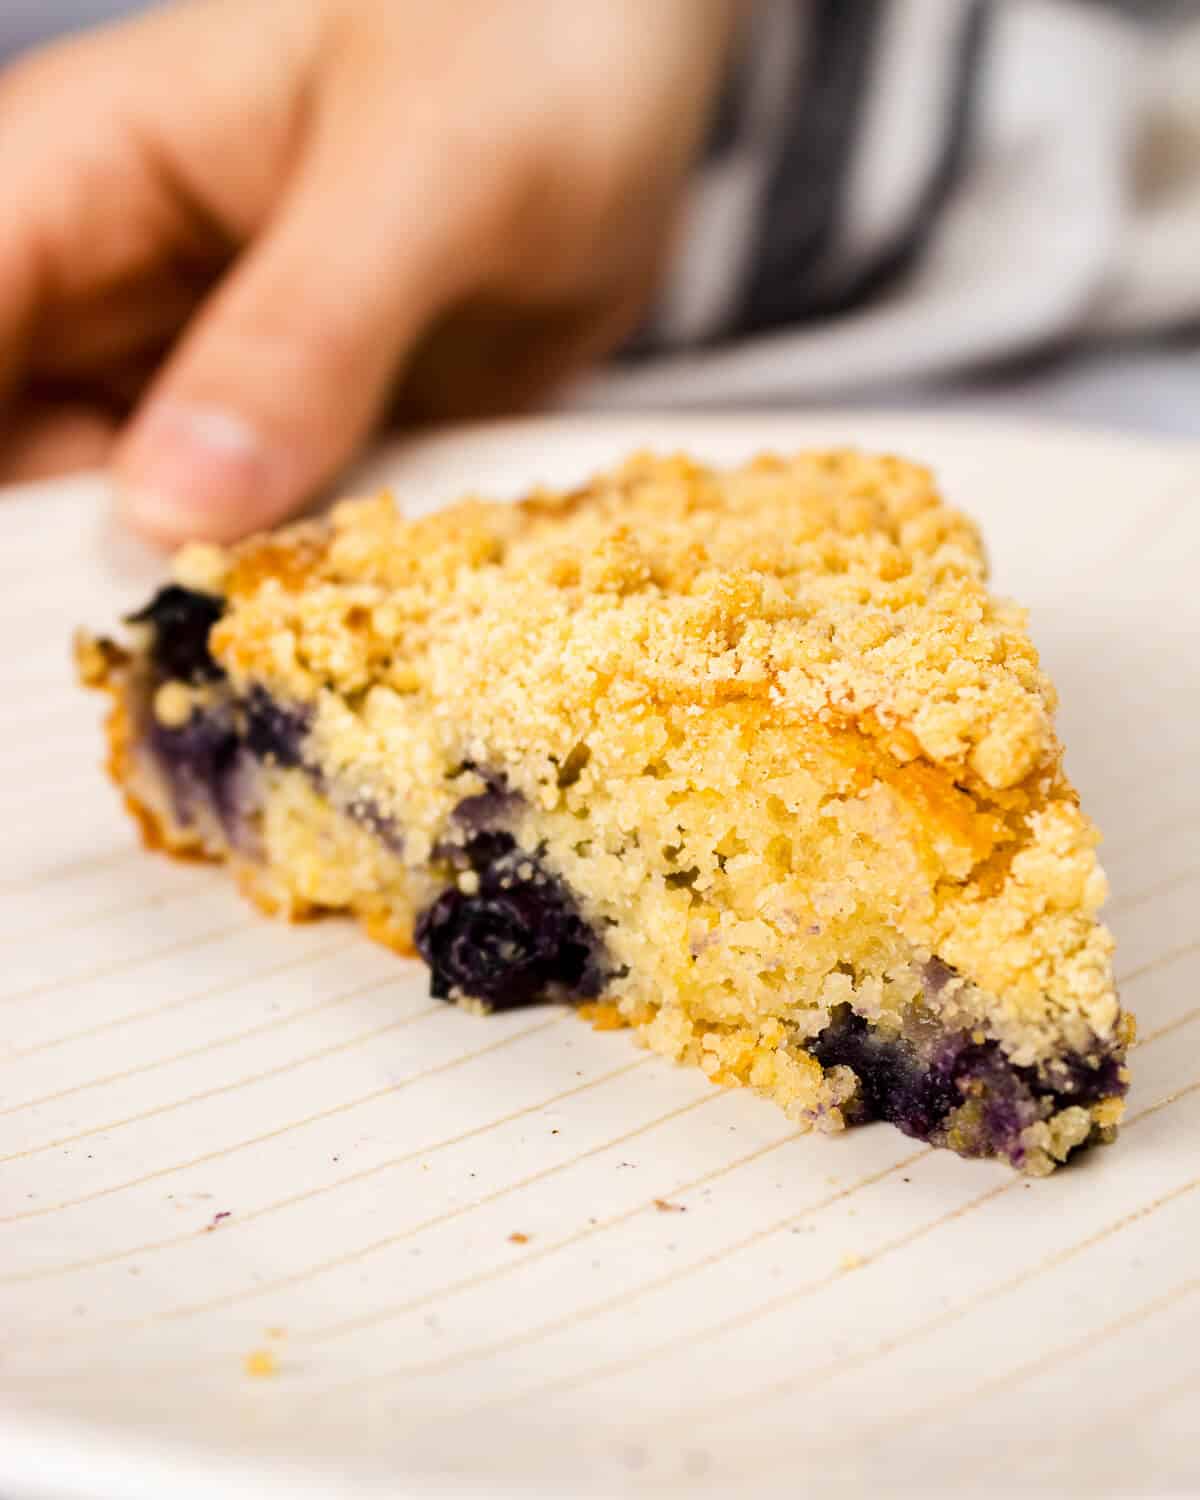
(194, 470)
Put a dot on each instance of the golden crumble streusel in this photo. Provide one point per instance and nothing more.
(749, 760)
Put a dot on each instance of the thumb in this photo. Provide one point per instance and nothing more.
(288, 365)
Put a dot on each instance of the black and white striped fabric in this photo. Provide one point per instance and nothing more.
(897, 188)
(842, 130)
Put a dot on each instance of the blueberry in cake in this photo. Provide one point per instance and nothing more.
(749, 761)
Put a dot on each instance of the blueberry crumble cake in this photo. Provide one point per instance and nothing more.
(749, 761)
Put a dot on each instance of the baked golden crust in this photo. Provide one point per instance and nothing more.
(833, 586)
(831, 600)
(769, 722)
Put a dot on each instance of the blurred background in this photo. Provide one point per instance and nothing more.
(1045, 259)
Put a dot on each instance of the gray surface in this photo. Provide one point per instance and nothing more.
(1153, 390)
(24, 22)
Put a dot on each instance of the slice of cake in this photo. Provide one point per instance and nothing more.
(748, 760)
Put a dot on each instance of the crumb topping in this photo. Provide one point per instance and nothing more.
(768, 722)
(832, 586)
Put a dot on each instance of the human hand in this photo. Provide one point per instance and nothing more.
(233, 231)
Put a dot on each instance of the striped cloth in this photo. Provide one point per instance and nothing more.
(895, 189)
(842, 130)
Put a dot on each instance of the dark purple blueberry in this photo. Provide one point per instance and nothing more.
(1075, 1080)
(479, 853)
(273, 732)
(519, 938)
(198, 759)
(918, 1089)
(895, 1082)
(488, 855)
(496, 804)
(181, 619)
(1006, 1097)
(936, 977)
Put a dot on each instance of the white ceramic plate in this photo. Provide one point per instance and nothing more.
(220, 1136)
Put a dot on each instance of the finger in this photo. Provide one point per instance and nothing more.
(288, 365)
